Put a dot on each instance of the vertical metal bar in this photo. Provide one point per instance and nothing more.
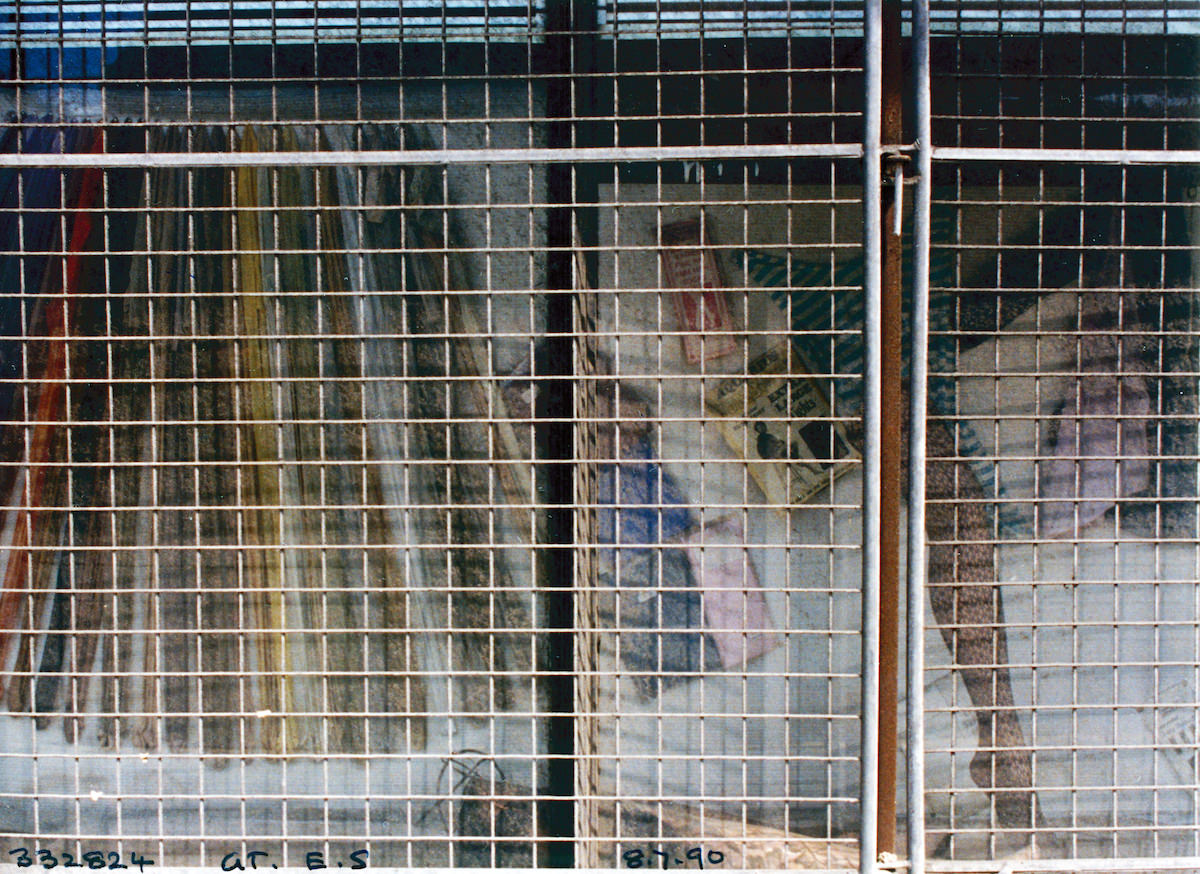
(892, 131)
(872, 431)
(915, 714)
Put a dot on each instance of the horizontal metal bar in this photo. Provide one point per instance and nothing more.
(1069, 156)
(583, 155)
(1136, 864)
(382, 870)
(425, 157)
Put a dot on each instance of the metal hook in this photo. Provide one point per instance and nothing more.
(898, 198)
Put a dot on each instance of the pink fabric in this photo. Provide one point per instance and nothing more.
(1101, 452)
(735, 611)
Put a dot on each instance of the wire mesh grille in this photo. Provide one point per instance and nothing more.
(502, 507)
(735, 719)
(1120, 89)
(1070, 395)
(230, 407)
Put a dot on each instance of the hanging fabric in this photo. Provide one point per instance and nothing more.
(44, 490)
(451, 403)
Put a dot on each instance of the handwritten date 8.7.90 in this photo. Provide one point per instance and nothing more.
(637, 858)
(23, 857)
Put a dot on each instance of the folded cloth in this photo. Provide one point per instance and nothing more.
(735, 611)
(1099, 451)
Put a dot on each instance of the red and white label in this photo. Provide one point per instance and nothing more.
(700, 306)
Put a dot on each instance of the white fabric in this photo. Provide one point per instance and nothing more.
(1043, 397)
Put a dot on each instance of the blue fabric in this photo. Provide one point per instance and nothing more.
(642, 508)
(649, 509)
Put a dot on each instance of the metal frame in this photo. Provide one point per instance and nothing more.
(437, 157)
(871, 152)
(872, 427)
(927, 155)
(918, 392)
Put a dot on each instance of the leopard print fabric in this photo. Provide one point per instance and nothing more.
(966, 606)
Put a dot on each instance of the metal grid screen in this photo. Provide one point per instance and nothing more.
(467, 435)
(1063, 369)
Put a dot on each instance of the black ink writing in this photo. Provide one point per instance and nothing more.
(638, 858)
(96, 860)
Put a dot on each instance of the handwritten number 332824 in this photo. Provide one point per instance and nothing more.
(94, 860)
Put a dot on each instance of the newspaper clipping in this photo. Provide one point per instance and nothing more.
(780, 421)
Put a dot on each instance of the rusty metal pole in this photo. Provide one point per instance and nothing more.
(891, 413)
